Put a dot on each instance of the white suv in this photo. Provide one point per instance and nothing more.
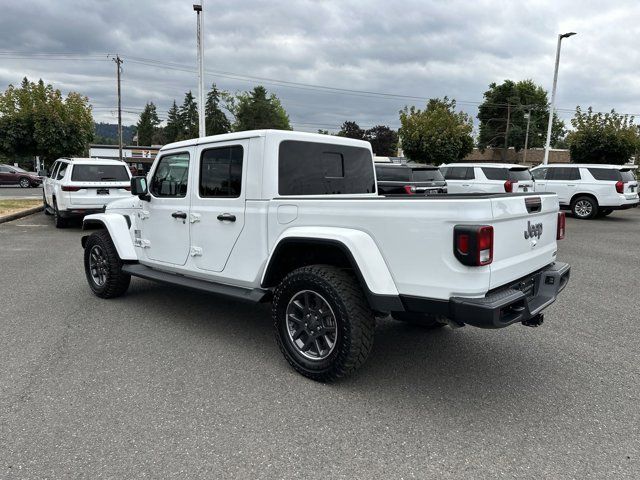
(80, 186)
(487, 178)
(589, 190)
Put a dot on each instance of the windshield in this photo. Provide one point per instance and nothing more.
(627, 176)
(393, 174)
(427, 175)
(100, 173)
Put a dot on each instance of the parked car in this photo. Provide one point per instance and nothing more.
(487, 178)
(589, 190)
(10, 175)
(80, 186)
(409, 179)
(295, 218)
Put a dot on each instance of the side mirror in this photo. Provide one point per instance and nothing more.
(139, 188)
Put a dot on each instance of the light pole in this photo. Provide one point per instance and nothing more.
(201, 123)
(553, 96)
(526, 136)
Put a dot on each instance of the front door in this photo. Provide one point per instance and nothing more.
(218, 203)
(164, 220)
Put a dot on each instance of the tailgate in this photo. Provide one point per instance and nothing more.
(97, 193)
(524, 235)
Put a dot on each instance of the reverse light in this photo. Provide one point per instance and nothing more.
(562, 222)
(620, 186)
(508, 186)
(473, 244)
(411, 190)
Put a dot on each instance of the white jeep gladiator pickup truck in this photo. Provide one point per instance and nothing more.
(295, 219)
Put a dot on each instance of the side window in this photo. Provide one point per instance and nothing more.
(564, 173)
(221, 172)
(62, 171)
(4, 169)
(455, 173)
(171, 176)
(609, 174)
(470, 173)
(539, 173)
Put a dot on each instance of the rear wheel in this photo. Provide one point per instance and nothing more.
(103, 266)
(425, 320)
(584, 207)
(57, 219)
(323, 324)
(24, 182)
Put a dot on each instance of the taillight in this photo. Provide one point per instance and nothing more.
(128, 189)
(410, 189)
(508, 186)
(562, 221)
(473, 244)
(620, 187)
(67, 188)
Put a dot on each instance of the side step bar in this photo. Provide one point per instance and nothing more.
(254, 295)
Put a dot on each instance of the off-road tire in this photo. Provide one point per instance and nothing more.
(424, 320)
(117, 281)
(57, 219)
(578, 211)
(355, 321)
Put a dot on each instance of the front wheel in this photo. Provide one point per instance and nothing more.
(323, 324)
(584, 208)
(24, 183)
(103, 266)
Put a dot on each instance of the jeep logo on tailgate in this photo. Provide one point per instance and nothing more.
(533, 231)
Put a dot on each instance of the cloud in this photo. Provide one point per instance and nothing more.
(412, 47)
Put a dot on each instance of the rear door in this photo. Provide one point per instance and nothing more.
(521, 179)
(164, 220)
(564, 182)
(458, 179)
(94, 185)
(525, 229)
(218, 203)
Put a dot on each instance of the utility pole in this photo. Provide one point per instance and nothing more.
(118, 61)
(553, 96)
(506, 133)
(526, 136)
(201, 120)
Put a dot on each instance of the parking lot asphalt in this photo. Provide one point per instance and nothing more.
(9, 192)
(166, 382)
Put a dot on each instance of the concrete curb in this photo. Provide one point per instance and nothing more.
(23, 213)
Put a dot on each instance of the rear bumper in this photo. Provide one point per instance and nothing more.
(624, 207)
(519, 302)
(79, 212)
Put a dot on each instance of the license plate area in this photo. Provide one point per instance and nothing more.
(102, 191)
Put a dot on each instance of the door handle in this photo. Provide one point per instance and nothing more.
(179, 215)
(227, 217)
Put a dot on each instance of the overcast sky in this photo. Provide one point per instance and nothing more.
(415, 48)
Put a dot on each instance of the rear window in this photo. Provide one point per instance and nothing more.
(310, 168)
(393, 174)
(427, 175)
(100, 173)
(612, 174)
(512, 174)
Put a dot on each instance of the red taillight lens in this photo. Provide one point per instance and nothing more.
(620, 187)
(410, 190)
(508, 186)
(562, 221)
(485, 245)
(67, 188)
(473, 244)
(128, 189)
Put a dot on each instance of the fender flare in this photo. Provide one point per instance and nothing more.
(359, 247)
(118, 228)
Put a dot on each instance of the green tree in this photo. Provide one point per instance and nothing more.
(438, 134)
(351, 130)
(173, 130)
(602, 138)
(189, 117)
(256, 110)
(35, 119)
(384, 141)
(147, 124)
(512, 100)
(216, 121)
